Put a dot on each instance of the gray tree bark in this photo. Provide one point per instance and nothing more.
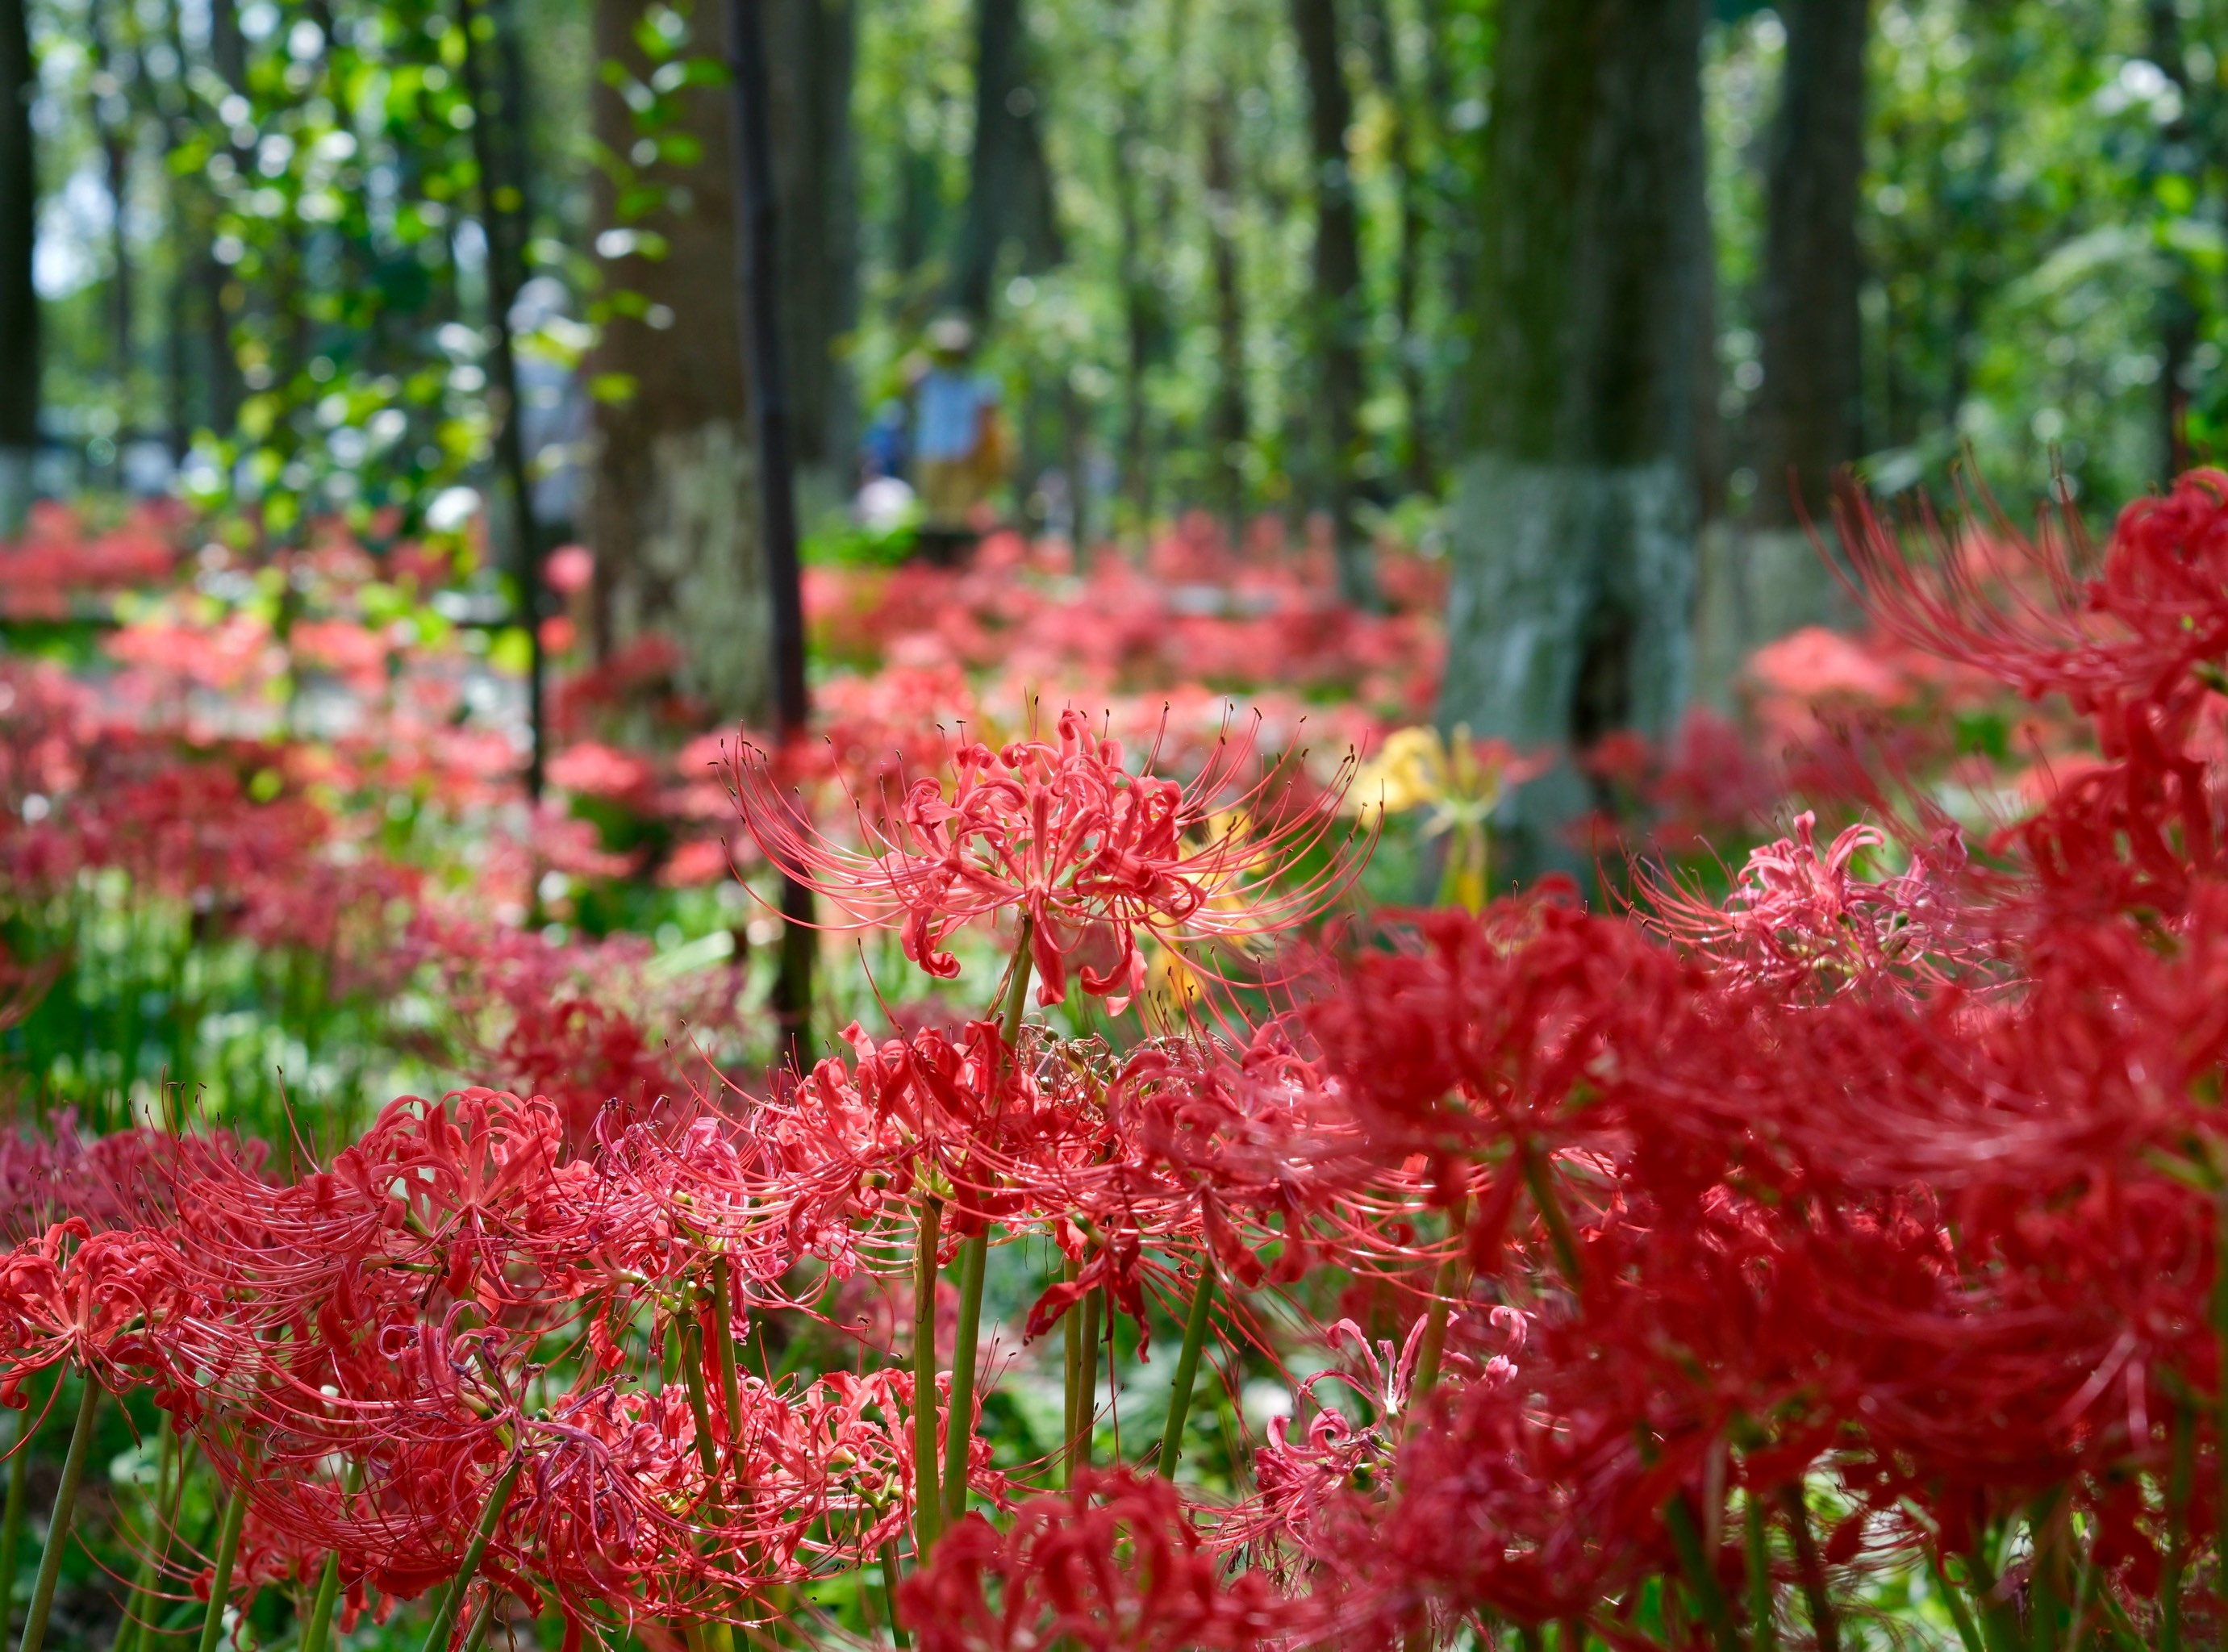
(810, 47)
(1764, 579)
(672, 509)
(1009, 195)
(1336, 320)
(1228, 424)
(19, 299)
(1573, 523)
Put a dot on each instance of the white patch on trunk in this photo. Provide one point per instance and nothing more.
(1757, 586)
(1540, 551)
(701, 575)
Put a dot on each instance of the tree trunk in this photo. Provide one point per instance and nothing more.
(1336, 319)
(1228, 424)
(1139, 302)
(224, 297)
(673, 501)
(1406, 147)
(1764, 579)
(19, 299)
(116, 158)
(2178, 316)
(1009, 180)
(1573, 524)
(810, 49)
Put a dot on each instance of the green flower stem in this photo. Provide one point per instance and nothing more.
(1762, 1627)
(1823, 1623)
(58, 1529)
(1701, 1575)
(1087, 1390)
(1194, 1338)
(723, 1323)
(11, 1523)
(2220, 1338)
(1539, 1182)
(476, 1636)
(926, 1505)
(974, 1258)
(452, 1598)
(1072, 1326)
(692, 1375)
(1999, 1624)
(1432, 1353)
(2177, 1487)
(1954, 1597)
(227, 1551)
(890, 1595)
(959, 1430)
(141, 1601)
(328, 1581)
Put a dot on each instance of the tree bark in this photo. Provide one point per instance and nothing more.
(1228, 423)
(1009, 180)
(1764, 579)
(2178, 318)
(116, 158)
(19, 299)
(1406, 146)
(1336, 321)
(811, 49)
(1573, 524)
(673, 509)
(1810, 413)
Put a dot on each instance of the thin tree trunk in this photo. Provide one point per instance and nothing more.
(673, 507)
(19, 299)
(1228, 423)
(2178, 316)
(498, 133)
(1336, 319)
(1574, 517)
(116, 158)
(223, 296)
(1810, 413)
(1405, 146)
(763, 322)
(1009, 184)
(810, 49)
(1764, 579)
(1137, 302)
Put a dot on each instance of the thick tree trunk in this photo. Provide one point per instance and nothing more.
(1009, 182)
(19, 299)
(672, 511)
(1228, 424)
(810, 49)
(1336, 320)
(1573, 522)
(1764, 579)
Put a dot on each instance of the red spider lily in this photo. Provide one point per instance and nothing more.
(115, 1304)
(1065, 837)
(1802, 925)
(2138, 650)
(832, 1165)
(1115, 1567)
(1510, 1022)
(1227, 1150)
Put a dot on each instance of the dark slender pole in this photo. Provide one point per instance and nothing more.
(792, 1001)
(501, 198)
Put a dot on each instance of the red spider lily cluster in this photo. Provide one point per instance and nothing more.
(1705, 1271)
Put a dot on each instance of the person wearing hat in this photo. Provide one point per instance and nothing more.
(958, 445)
